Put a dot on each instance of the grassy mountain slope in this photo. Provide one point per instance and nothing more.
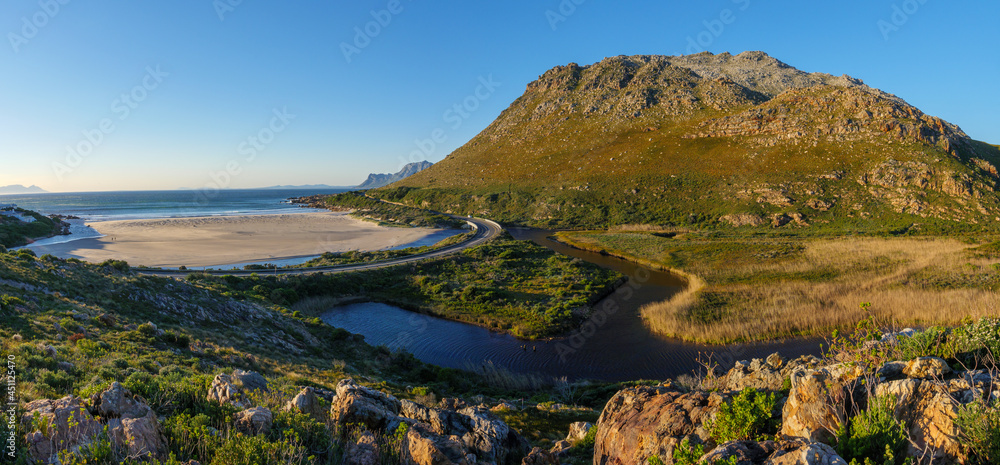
(711, 139)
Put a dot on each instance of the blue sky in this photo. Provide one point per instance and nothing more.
(123, 95)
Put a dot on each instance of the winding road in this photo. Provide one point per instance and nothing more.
(485, 230)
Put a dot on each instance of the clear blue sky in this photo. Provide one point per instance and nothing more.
(199, 87)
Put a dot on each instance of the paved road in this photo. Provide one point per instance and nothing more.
(484, 231)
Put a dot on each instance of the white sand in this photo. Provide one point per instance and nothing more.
(226, 240)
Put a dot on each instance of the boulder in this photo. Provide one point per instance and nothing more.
(52, 432)
(132, 425)
(360, 405)
(539, 456)
(561, 448)
(250, 380)
(306, 402)
(491, 439)
(814, 408)
(441, 421)
(743, 452)
(224, 391)
(929, 410)
(643, 421)
(891, 370)
(810, 453)
(118, 402)
(578, 430)
(255, 420)
(449, 403)
(421, 446)
(363, 452)
(926, 368)
(765, 375)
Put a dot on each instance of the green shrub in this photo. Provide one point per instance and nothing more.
(119, 265)
(240, 449)
(980, 432)
(874, 434)
(930, 342)
(684, 454)
(176, 339)
(747, 417)
(192, 437)
(588, 439)
(98, 452)
(300, 428)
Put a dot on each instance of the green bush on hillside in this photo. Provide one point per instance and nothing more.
(874, 435)
(747, 417)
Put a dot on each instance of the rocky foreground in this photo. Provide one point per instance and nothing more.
(676, 422)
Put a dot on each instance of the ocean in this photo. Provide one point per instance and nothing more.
(110, 206)
(139, 205)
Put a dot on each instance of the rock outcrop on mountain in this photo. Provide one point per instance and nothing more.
(722, 140)
(376, 180)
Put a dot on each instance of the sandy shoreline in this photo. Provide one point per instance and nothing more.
(224, 240)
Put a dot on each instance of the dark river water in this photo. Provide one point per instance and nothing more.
(614, 345)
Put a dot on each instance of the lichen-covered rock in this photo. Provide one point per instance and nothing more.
(224, 391)
(643, 421)
(743, 452)
(806, 454)
(561, 448)
(47, 423)
(132, 425)
(140, 437)
(255, 420)
(306, 402)
(250, 380)
(929, 409)
(814, 409)
(765, 375)
(441, 421)
(360, 405)
(927, 368)
(539, 456)
(364, 451)
(578, 430)
(117, 402)
(421, 446)
(491, 439)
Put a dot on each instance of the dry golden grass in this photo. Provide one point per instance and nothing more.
(911, 281)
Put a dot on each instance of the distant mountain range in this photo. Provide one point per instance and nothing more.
(20, 189)
(376, 180)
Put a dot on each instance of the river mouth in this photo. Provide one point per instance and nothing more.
(613, 345)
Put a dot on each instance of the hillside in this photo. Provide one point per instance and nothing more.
(717, 140)
(376, 180)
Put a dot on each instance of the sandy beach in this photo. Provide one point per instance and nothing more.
(225, 240)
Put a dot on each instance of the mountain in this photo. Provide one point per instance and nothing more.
(716, 140)
(20, 189)
(376, 180)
